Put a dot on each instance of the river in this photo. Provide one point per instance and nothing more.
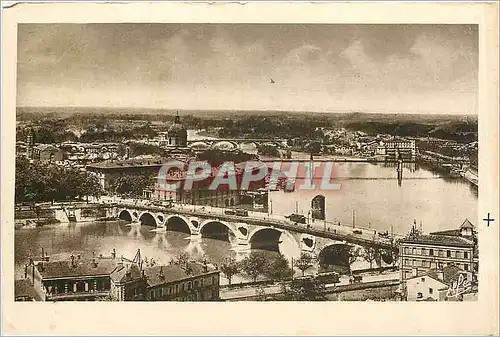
(371, 190)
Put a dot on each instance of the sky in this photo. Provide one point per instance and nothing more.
(322, 68)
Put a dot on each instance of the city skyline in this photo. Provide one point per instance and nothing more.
(325, 68)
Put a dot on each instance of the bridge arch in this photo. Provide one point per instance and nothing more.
(335, 256)
(270, 234)
(216, 229)
(224, 145)
(199, 145)
(147, 219)
(178, 223)
(125, 214)
(248, 145)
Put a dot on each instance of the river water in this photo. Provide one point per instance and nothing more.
(371, 190)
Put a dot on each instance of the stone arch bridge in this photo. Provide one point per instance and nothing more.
(244, 233)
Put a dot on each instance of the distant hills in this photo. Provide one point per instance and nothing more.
(345, 117)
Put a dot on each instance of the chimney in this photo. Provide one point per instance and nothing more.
(46, 257)
(113, 253)
(25, 271)
(40, 266)
(94, 263)
(440, 274)
(72, 260)
(161, 273)
(43, 253)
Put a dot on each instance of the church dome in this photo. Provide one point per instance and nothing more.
(177, 129)
(177, 133)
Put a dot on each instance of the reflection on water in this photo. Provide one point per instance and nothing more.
(370, 190)
(373, 192)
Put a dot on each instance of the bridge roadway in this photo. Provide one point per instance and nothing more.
(342, 232)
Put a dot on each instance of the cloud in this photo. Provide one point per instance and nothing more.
(314, 66)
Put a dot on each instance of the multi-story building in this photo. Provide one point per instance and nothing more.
(192, 282)
(396, 149)
(115, 279)
(419, 253)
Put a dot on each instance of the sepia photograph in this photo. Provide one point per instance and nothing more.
(104, 111)
(247, 162)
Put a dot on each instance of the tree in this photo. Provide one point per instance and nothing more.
(304, 289)
(353, 253)
(370, 254)
(279, 268)
(254, 265)
(229, 268)
(304, 262)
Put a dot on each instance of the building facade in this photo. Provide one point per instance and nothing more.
(400, 149)
(420, 253)
(115, 279)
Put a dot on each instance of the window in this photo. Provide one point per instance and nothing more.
(431, 252)
(430, 290)
(448, 253)
(176, 288)
(161, 292)
(424, 252)
(466, 267)
(189, 285)
(407, 263)
(414, 251)
(466, 255)
(152, 294)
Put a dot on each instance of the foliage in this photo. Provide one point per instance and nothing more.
(268, 150)
(370, 255)
(46, 182)
(131, 185)
(254, 265)
(137, 149)
(304, 289)
(217, 157)
(304, 262)
(229, 268)
(278, 268)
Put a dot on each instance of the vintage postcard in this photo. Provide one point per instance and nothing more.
(313, 156)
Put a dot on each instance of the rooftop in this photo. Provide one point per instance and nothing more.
(23, 288)
(172, 273)
(439, 240)
(450, 274)
(124, 274)
(60, 269)
(141, 162)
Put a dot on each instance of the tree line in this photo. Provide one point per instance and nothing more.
(45, 182)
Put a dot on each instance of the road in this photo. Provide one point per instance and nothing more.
(249, 291)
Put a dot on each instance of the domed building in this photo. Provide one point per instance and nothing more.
(177, 134)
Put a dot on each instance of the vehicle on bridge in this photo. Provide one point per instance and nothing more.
(384, 234)
(357, 231)
(297, 218)
(238, 212)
